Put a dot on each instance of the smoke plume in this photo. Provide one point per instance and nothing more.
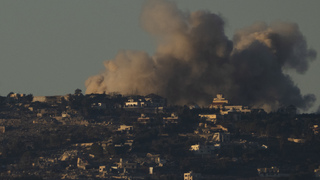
(195, 60)
(318, 110)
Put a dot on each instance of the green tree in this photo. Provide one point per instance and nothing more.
(78, 92)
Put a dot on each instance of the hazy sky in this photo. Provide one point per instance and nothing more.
(52, 47)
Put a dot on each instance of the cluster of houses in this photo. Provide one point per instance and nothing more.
(148, 101)
(225, 109)
(216, 136)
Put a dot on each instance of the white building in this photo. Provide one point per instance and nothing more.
(149, 101)
(218, 102)
(134, 103)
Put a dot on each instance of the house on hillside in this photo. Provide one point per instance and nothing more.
(218, 102)
(144, 119)
(153, 100)
(148, 101)
(211, 117)
(173, 119)
(99, 106)
(237, 108)
(135, 102)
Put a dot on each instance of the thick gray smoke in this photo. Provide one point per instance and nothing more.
(318, 110)
(195, 60)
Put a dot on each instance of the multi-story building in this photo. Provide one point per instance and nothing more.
(218, 102)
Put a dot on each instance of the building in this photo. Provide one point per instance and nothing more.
(149, 101)
(173, 119)
(198, 149)
(153, 100)
(233, 111)
(125, 128)
(209, 117)
(39, 99)
(126, 165)
(221, 137)
(219, 127)
(99, 106)
(102, 171)
(191, 176)
(156, 159)
(268, 172)
(218, 102)
(143, 119)
(82, 164)
(237, 108)
(135, 102)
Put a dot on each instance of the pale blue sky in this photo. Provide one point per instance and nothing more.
(52, 47)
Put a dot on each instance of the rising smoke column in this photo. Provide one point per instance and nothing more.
(195, 60)
(260, 55)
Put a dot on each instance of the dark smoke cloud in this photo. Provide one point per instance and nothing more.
(195, 60)
(318, 110)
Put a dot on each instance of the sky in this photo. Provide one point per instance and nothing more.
(52, 47)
